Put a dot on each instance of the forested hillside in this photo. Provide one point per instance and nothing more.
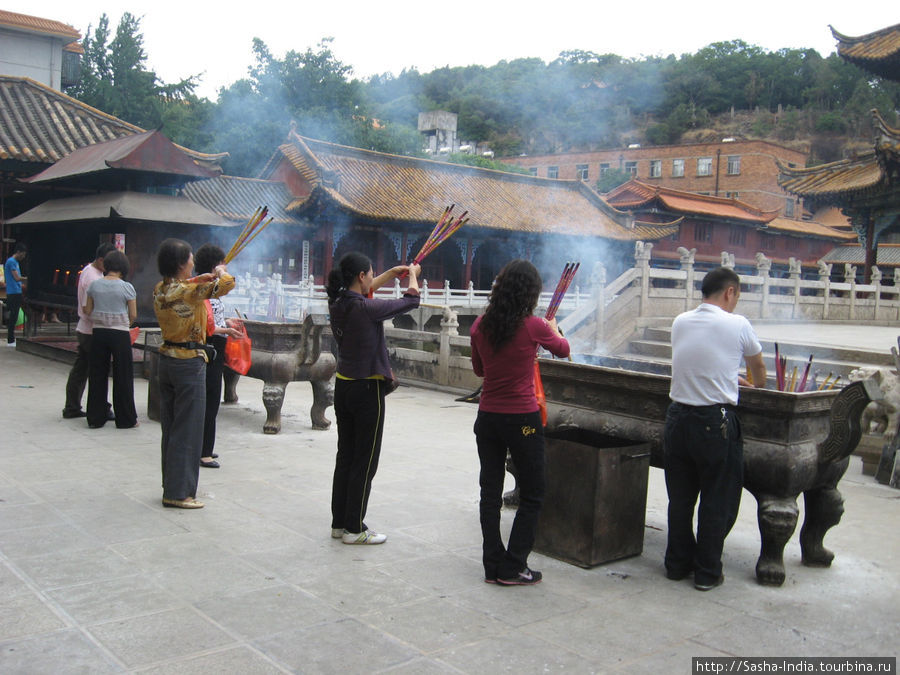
(580, 101)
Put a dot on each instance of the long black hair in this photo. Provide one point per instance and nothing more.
(347, 270)
(513, 297)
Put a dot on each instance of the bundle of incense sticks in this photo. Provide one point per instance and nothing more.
(253, 227)
(785, 383)
(445, 227)
(565, 281)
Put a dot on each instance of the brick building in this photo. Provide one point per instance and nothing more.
(744, 170)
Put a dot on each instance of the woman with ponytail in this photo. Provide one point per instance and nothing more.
(504, 344)
(363, 378)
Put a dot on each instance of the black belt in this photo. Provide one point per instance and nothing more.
(185, 345)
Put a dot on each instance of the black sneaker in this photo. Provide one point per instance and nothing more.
(526, 577)
(72, 414)
(711, 585)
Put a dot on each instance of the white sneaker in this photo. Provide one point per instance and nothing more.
(367, 537)
(337, 532)
(11, 344)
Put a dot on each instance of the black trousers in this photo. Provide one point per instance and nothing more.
(213, 393)
(78, 376)
(13, 304)
(523, 436)
(106, 344)
(703, 457)
(182, 401)
(359, 410)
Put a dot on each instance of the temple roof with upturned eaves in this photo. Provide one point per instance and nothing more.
(877, 52)
(637, 194)
(868, 172)
(40, 125)
(383, 187)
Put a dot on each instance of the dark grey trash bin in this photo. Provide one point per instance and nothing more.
(596, 497)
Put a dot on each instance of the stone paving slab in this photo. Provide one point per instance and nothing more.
(96, 576)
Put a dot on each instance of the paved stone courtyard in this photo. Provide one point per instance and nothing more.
(97, 577)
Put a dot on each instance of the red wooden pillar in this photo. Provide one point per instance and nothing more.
(405, 246)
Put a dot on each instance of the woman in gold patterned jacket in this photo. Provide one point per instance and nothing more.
(178, 301)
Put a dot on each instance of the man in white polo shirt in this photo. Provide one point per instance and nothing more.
(703, 442)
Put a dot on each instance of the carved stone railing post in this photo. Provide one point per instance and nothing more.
(449, 328)
(687, 266)
(642, 263)
(470, 293)
(727, 260)
(876, 282)
(850, 273)
(794, 275)
(423, 289)
(825, 278)
(763, 266)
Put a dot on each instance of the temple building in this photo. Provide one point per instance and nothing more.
(866, 187)
(713, 225)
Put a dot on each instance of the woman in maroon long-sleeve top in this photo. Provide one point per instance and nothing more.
(363, 378)
(504, 344)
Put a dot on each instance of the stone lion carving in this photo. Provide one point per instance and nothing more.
(824, 268)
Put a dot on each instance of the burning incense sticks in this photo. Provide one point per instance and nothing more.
(445, 227)
(783, 382)
(565, 280)
(253, 227)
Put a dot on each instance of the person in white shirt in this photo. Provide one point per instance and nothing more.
(703, 442)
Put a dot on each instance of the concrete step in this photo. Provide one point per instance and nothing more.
(646, 347)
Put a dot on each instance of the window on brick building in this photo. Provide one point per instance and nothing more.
(552, 172)
(702, 232)
(655, 168)
(677, 168)
(789, 207)
(734, 165)
(737, 236)
(631, 167)
(532, 170)
(581, 171)
(733, 195)
(704, 166)
(604, 169)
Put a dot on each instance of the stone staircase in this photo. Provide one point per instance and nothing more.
(650, 350)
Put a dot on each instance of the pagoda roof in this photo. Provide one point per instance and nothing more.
(39, 124)
(877, 52)
(148, 152)
(636, 194)
(236, 198)
(866, 173)
(383, 187)
(37, 25)
(888, 255)
(808, 228)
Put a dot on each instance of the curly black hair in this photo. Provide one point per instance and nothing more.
(513, 297)
(207, 257)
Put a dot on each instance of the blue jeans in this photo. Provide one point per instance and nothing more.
(703, 458)
(182, 407)
(523, 436)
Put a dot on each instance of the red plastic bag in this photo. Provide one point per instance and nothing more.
(134, 332)
(237, 350)
(539, 393)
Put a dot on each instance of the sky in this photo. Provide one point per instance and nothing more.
(189, 38)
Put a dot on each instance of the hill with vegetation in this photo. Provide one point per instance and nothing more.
(580, 101)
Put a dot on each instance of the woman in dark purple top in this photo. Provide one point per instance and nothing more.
(363, 378)
(504, 345)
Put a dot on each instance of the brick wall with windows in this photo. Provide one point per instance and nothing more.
(743, 167)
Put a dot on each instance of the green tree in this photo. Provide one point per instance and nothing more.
(613, 179)
(114, 77)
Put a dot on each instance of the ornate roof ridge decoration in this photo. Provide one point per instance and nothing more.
(878, 52)
(384, 187)
(680, 200)
(36, 24)
(43, 125)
